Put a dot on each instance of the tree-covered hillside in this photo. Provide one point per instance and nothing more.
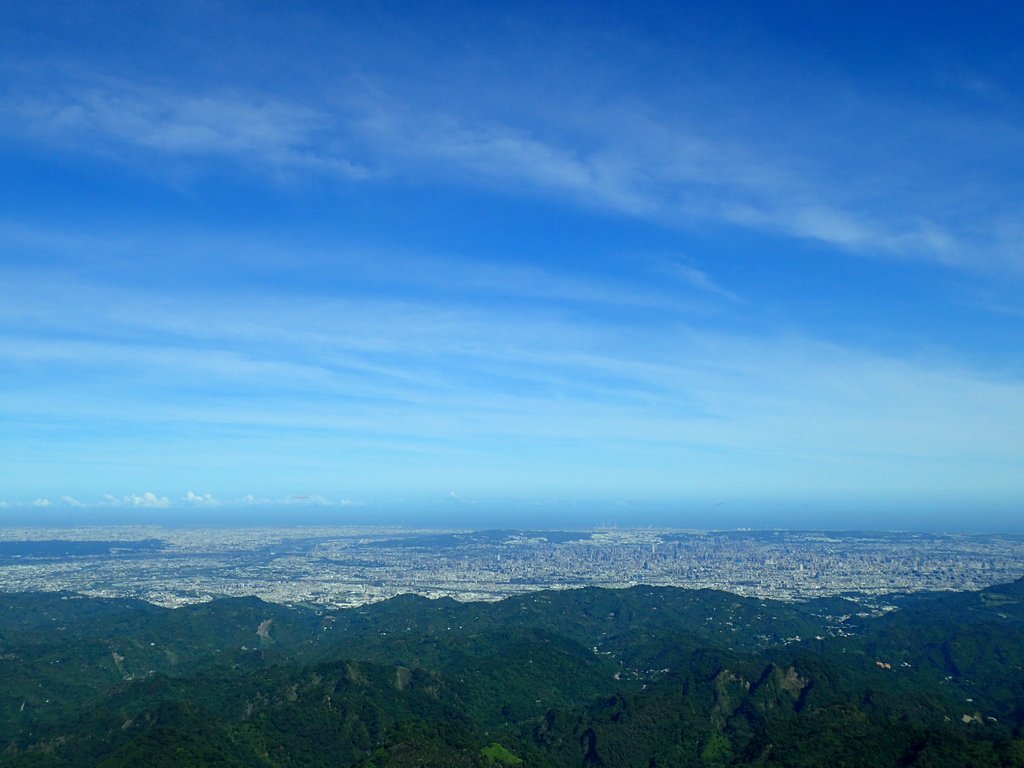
(620, 678)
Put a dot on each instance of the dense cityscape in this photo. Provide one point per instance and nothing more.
(354, 566)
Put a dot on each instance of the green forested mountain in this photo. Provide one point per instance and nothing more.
(641, 677)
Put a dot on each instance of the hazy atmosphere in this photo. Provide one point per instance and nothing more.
(728, 264)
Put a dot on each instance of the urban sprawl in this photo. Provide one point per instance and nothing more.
(353, 566)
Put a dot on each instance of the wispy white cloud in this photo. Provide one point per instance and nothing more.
(645, 166)
(107, 114)
(41, 503)
(698, 279)
(71, 501)
(432, 276)
(475, 376)
(658, 168)
(499, 154)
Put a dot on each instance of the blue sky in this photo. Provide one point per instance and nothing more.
(716, 264)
